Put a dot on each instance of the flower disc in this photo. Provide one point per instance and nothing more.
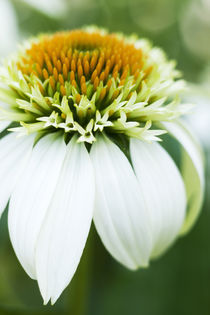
(85, 81)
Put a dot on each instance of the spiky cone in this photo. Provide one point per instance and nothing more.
(84, 111)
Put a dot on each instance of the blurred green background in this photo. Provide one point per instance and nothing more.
(179, 282)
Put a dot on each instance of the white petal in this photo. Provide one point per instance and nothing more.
(121, 217)
(192, 170)
(31, 198)
(3, 125)
(66, 226)
(163, 190)
(13, 156)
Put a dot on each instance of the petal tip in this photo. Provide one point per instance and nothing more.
(45, 300)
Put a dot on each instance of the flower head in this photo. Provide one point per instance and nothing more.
(90, 107)
(88, 81)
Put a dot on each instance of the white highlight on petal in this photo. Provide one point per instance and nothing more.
(4, 125)
(192, 170)
(31, 198)
(163, 190)
(13, 156)
(67, 223)
(121, 216)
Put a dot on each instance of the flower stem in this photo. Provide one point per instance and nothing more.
(81, 284)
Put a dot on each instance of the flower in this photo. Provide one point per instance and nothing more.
(89, 108)
(52, 8)
(9, 22)
(198, 120)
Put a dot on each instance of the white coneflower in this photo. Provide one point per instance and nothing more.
(199, 118)
(9, 22)
(53, 8)
(89, 108)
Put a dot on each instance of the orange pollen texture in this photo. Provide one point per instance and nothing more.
(78, 56)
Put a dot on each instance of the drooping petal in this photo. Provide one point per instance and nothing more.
(120, 216)
(163, 189)
(3, 125)
(13, 156)
(67, 223)
(192, 171)
(31, 198)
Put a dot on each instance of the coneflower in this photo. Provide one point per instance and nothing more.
(84, 111)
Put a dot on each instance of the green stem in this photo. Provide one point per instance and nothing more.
(80, 287)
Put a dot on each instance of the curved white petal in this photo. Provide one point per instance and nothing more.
(67, 223)
(163, 190)
(121, 217)
(192, 170)
(13, 156)
(31, 198)
(3, 125)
